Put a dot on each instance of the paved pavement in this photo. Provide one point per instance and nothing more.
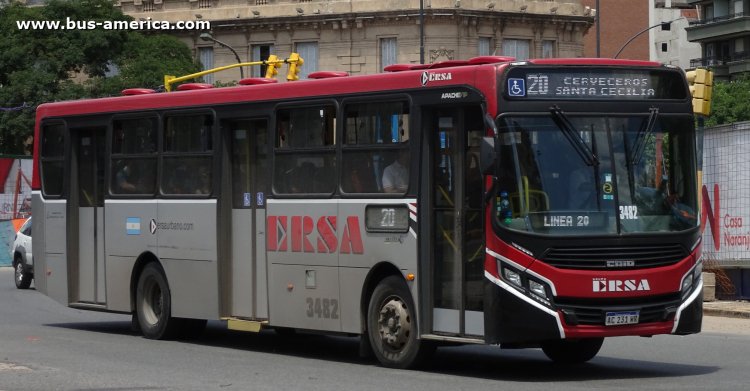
(726, 308)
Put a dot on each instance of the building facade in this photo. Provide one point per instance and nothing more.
(362, 37)
(618, 21)
(671, 46)
(723, 31)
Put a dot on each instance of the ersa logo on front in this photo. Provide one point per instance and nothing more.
(428, 77)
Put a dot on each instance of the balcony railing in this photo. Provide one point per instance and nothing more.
(715, 60)
(717, 19)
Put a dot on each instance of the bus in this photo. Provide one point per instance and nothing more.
(546, 203)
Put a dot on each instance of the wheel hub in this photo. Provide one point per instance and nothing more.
(19, 272)
(394, 323)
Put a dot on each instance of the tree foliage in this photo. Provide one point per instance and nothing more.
(730, 102)
(45, 65)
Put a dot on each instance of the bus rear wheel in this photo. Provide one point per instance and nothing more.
(154, 304)
(566, 351)
(392, 326)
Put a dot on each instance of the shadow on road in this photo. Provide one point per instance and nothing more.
(488, 362)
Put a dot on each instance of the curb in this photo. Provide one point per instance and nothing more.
(726, 313)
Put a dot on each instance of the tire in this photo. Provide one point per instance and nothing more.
(154, 304)
(21, 276)
(392, 326)
(572, 351)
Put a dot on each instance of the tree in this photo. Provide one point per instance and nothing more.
(730, 102)
(36, 65)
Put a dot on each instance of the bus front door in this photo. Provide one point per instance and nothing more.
(87, 271)
(246, 141)
(455, 252)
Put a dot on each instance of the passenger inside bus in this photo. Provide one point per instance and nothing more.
(396, 175)
(124, 180)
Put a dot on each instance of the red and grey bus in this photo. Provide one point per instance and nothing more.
(543, 203)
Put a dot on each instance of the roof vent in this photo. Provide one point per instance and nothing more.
(405, 67)
(448, 64)
(137, 91)
(254, 81)
(326, 74)
(194, 86)
(490, 60)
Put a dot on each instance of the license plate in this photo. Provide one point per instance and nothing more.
(621, 318)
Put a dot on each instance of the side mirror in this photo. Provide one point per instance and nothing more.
(487, 156)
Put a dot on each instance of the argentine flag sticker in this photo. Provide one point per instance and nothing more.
(133, 225)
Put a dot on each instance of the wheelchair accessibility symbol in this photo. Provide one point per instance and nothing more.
(516, 87)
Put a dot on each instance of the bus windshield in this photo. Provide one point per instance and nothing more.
(563, 174)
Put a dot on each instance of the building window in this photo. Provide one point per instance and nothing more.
(206, 57)
(148, 6)
(305, 155)
(388, 52)
(664, 47)
(484, 45)
(739, 8)
(548, 49)
(260, 53)
(204, 3)
(518, 48)
(309, 53)
(739, 45)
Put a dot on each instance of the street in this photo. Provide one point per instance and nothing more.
(46, 346)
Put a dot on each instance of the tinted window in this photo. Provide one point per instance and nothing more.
(305, 154)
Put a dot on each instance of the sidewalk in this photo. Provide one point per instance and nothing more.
(729, 309)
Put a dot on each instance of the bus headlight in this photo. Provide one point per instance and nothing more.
(537, 289)
(687, 283)
(513, 277)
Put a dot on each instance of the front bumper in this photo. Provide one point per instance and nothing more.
(511, 317)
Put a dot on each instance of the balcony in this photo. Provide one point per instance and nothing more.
(726, 66)
(719, 27)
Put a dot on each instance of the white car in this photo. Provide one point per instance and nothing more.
(23, 261)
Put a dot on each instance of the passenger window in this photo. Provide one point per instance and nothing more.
(376, 150)
(305, 158)
(187, 164)
(134, 156)
(52, 158)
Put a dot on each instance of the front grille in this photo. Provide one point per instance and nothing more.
(614, 258)
(592, 312)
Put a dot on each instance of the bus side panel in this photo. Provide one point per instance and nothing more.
(303, 238)
(186, 234)
(396, 248)
(50, 257)
(127, 235)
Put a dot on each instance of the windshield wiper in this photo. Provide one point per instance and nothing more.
(640, 140)
(573, 136)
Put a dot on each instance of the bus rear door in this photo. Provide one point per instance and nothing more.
(86, 260)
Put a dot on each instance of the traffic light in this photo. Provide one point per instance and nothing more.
(295, 63)
(271, 70)
(701, 82)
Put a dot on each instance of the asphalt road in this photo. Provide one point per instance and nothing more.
(46, 346)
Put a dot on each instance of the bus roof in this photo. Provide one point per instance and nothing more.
(403, 76)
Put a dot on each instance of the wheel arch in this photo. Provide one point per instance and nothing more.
(140, 263)
(378, 272)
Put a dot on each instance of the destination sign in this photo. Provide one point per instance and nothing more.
(594, 83)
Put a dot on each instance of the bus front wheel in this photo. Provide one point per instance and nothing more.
(154, 304)
(392, 325)
(566, 351)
